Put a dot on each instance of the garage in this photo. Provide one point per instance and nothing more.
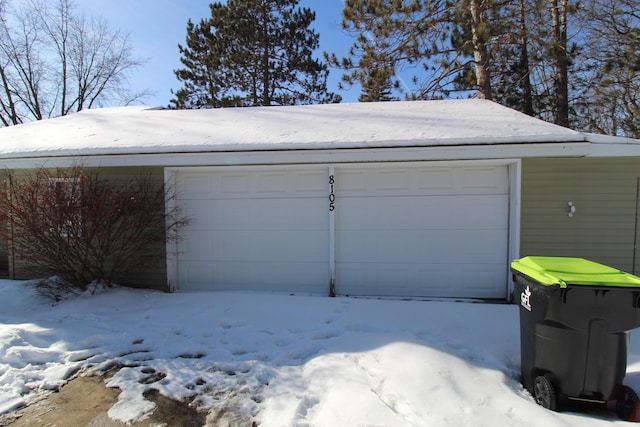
(406, 230)
(403, 199)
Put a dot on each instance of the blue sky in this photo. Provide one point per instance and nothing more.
(157, 26)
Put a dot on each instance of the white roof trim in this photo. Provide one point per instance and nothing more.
(398, 154)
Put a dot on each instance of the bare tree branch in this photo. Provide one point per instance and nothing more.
(56, 62)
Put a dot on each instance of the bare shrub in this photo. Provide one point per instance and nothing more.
(54, 289)
(73, 224)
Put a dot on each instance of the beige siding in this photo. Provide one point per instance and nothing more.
(152, 275)
(604, 193)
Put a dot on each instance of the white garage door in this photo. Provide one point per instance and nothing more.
(254, 230)
(438, 232)
(433, 231)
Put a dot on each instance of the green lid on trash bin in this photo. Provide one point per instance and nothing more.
(564, 271)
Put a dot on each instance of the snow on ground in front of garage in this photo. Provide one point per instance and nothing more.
(282, 360)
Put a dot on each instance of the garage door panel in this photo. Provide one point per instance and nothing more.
(421, 246)
(422, 231)
(483, 212)
(484, 180)
(194, 186)
(200, 249)
(230, 184)
(376, 245)
(436, 245)
(268, 245)
(198, 211)
(393, 212)
(426, 280)
(484, 278)
(425, 181)
(463, 246)
(435, 181)
(373, 279)
(240, 184)
(406, 246)
(273, 184)
(255, 229)
(268, 277)
(271, 214)
(424, 212)
(257, 214)
(291, 183)
(396, 280)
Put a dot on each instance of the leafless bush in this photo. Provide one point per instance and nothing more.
(54, 288)
(73, 224)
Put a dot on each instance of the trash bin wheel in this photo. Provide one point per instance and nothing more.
(545, 393)
(628, 405)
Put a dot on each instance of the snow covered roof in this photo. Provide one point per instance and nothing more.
(144, 129)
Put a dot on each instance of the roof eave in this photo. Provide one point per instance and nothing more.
(391, 153)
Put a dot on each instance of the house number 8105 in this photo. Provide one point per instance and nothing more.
(332, 196)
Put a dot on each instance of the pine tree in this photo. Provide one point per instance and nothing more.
(377, 87)
(574, 63)
(448, 40)
(480, 39)
(391, 34)
(608, 84)
(558, 48)
(202, 81)
(252, 53)
(509, 51)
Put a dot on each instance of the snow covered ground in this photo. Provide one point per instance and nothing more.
(282, 360)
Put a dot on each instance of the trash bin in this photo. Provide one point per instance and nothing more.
(575, 318)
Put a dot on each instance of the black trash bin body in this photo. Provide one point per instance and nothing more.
(575, 318)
